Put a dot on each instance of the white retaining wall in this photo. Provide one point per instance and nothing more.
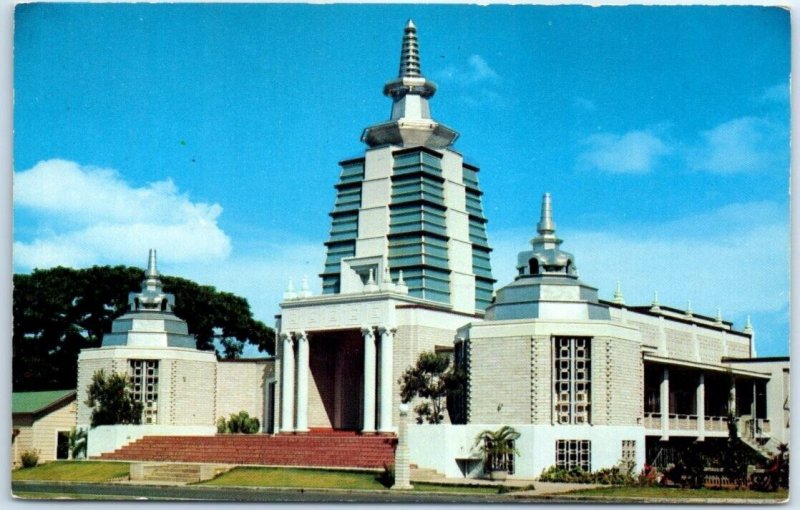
(445, 447)
(107, 438)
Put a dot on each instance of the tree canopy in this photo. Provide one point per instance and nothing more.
(59, 311)
(112, 402)
(432, 379)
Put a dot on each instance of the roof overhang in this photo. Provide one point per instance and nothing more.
(652, 358)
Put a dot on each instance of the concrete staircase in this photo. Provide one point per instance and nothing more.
(319, 448)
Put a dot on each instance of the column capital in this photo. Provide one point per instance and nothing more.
(286, 336)
(367, 330)
(300, 335)
(387, 329)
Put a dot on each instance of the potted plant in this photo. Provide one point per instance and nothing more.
(497, 447)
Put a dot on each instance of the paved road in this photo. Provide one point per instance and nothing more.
(246, 494)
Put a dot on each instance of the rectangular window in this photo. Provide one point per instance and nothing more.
(574, 453)
(144, 374)
(572, 380)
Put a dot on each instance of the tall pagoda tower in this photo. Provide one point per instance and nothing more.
(407, 265)
(412, 203)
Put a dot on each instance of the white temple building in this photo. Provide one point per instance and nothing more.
(586, 382)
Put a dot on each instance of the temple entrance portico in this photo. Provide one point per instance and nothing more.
(338, 379)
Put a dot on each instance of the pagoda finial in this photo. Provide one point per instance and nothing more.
(546, 226)
(152, 270)
(409, 54)
(409, 77)
(151, 297)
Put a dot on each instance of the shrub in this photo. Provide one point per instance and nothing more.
(386, 478)
(29, 458)
(240, 423)
(605, 476)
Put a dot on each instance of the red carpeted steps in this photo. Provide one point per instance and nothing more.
(322, 448)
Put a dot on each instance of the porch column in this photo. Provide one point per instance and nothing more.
(701, 406)
(385, 392)
(287, 384)
(302, 381)
(369, 380)
(665, 405)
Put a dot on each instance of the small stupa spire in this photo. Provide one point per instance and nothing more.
(152, 270)
(152, 297)
(718, 319)
(290, 293)
(304, 290)
(546, 226)
(655, 307)
(371, 286)
(689, 311)
(618, 297)
(401, 286)
(748, 326)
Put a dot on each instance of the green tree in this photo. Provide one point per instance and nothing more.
(431, 379)
(57, 312)
(111, 400)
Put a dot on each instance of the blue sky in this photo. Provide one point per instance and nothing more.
(213, 133)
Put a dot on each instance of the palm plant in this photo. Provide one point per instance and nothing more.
(77, 442)
(497, 447)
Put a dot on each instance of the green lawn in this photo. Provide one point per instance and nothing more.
(677, 493)
(74, 471)
(291, 477)
(323, 479)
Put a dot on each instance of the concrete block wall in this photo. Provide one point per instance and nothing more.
(193, 386)
(500, 380)
(541, 381)
(624, 382)
(240, 387)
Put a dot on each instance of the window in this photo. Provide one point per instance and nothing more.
(628, 451)
(572, 380)
(574, 453)
(145, 387)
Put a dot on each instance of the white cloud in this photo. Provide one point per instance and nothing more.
(582, 103)
(632, 152)
(776, 94)
(84, 215)
(735, 258)
(745, 144)
(476, 70)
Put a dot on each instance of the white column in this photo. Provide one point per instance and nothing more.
(701, 406)
(369, 380)
(665, 405)
(287, 384)
(385, 392)
(302, 381)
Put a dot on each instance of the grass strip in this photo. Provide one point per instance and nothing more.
(294, 477)
(677, 493)
(73, 471)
